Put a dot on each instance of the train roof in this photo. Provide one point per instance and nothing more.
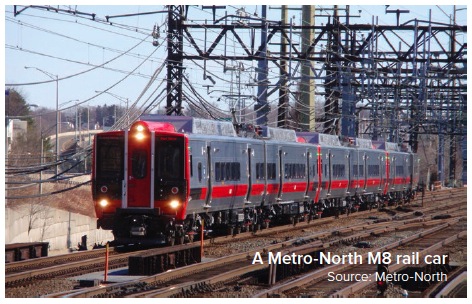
(389, 146)
(279, 134)
(320, 138)
(186, 124)
(194, 125)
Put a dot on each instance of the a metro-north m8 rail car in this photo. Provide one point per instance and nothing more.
(157, 181)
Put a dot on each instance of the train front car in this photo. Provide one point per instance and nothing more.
(154, 185)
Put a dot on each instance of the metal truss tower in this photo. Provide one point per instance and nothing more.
(385, 82)
(175, 66)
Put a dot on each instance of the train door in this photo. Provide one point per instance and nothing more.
(198, 175)
(272, 177)
(209, 185)
(249, 175)
(257, 172)
(330, 177)
(387, 173)
(350, 159)
(317, 183)
(414, 163)
(403, 171)
(281, 174)
(392, 181)
(363, 170)
(323, 172)
(382, 171)
(240, 174)
(309, 173)
(139, 171)
(345, 171)
(378, 165)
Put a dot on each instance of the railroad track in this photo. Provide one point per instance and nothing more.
(44, 262)
(317, 284)
(26, 273)
(230, 277)
(456, 288)
(197, 279)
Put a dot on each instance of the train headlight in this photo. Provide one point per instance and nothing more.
(103, 203)
(174, 204)
(139, 131)
(139, 136)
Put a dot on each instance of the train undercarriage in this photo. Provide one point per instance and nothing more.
(148, 227)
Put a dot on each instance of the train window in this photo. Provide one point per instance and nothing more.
(354, 170)
(217, 172)
(295, 171)
(169, 158)
(302, 171)
(230, 171)
(199, 169)
(271, 171)
(236, 171)
(339, 170)
(138, 164)
(361, 170)
(228, 175)
(260, 171)
(399, 170)
(191, 166)
(110, 158)
(374, 170)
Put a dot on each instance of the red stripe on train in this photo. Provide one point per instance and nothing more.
(294, 187)
(222, 191)
(257, 189)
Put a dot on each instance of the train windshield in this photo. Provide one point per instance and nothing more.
(169, 158)
(109, 160)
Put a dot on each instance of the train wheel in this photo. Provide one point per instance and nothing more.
(191, 237)
(179, 240)
(266, 225)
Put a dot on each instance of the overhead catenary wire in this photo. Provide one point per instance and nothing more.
(204, 107)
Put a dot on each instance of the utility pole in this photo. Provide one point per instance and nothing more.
(262, 107)
(56, 78)
(307, 84)
(283, 92)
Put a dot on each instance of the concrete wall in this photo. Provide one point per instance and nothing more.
(63, 230)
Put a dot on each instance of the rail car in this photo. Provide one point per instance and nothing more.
(158, 181)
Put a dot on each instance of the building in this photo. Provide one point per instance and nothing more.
(15, 128)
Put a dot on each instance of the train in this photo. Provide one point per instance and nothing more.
(167, 178)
